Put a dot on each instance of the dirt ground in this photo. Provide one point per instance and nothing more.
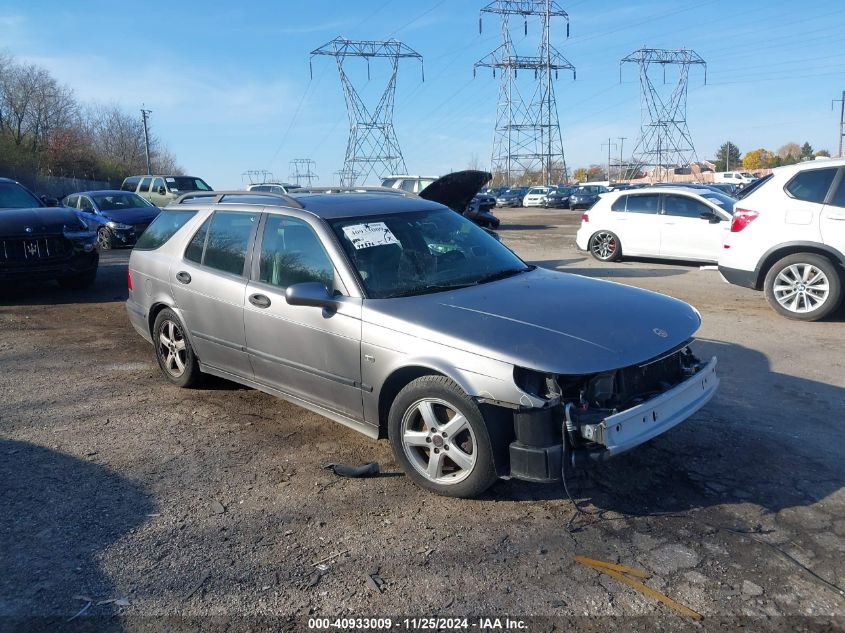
(116, 486)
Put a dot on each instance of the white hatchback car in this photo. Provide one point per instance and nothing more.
(787, 238)
(664, 222)
(535, 197)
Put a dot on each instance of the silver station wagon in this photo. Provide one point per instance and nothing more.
(400, 318)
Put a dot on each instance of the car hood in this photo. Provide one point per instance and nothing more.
(40, 221)
(455, 190)
(141, 215)
(545, 320)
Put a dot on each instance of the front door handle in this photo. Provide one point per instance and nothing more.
(259, 301)
(183, 277)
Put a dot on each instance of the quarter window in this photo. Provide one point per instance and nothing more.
(162, 229)
(642, 204)
(811, 185)
(839, 196)
(130, 184)
(228, 238)
(291, 253)
(683, 207)
(619, 204)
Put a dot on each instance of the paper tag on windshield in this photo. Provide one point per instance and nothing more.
(170, 179)
(369, 235)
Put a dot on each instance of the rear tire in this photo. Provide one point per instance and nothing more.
(174, 353)
(440, 439)
(804, 287)
(605, 246)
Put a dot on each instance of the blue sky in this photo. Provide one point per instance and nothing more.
(230, 90)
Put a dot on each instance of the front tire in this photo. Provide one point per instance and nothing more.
(104, 239)
(605, 246)
(440, 439)
(803, 287)
(174, 353)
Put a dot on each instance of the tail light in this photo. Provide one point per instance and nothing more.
(585, 217)
(129, 279)
(742, 218)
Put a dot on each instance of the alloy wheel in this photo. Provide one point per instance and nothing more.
(801, 288)
(438, 441)
(604, 245)
(172, 348)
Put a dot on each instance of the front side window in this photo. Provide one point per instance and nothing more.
(85, 204)
(811, 185)
(228, 238)
(421, 252)
(291, 253)
(71, 201)
(157, 184)
(643, 204)
(684, 207)
(165, 226)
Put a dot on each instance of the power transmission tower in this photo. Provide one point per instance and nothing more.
(257, 176)
(302, 171)
(527, 135)
(346, 177)
(372, 148)
(841, 103)
(665, 140)
(610, 145)
(144, 115)
(622, 140)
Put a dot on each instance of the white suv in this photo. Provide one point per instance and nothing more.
(787, 238)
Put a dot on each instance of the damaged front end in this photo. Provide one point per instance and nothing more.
(597, 416)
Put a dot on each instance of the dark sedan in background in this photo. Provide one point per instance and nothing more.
(585, 196)
(119, 217)
(39, 242)
(558, 198)
(511, 197)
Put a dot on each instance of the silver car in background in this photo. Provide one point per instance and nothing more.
(402, 319)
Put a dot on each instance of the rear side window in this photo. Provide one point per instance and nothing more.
(145, 185)
(197, 244)
(683, 207)
(228, 238)
(162, 229)
(130, 184)
(642, 204)
(811, 185)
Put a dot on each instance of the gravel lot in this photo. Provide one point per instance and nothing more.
(115, 485)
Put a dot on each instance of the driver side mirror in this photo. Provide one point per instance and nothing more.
(711, 217)
(310, 293)
(50, 202)
(162, 191)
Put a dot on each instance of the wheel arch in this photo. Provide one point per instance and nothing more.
(793, 248)
(401, 377)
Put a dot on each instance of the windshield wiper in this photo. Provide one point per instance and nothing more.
(503, 274)
(419, 290)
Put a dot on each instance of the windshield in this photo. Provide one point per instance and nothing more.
(723, 201)
(590, 189)
(753, 186)
(13, 196)
(186, 183)
(423, 251)
(119, 201)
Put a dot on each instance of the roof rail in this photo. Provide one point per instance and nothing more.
(361, 189)
(218, 197)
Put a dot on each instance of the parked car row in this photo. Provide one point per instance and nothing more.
(783, 234)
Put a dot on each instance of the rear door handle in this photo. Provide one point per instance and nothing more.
(259, 301)
(183, 277)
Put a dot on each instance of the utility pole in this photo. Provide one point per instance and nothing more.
(841, 120)
(144, 115)
(610, 145)
(621, 145)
